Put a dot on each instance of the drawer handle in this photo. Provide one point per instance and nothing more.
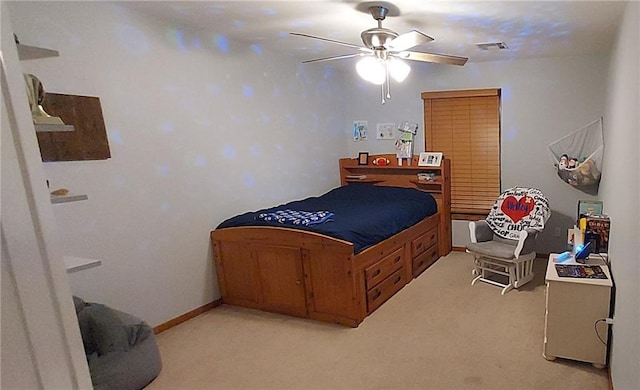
(433, 236)
(433, 253)
(399, 278)
(396, 260)
(419, 246)
(376, 273)
(421, 263)
(376, 295)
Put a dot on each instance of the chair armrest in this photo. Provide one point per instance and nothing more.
(480, 231)
(526, 242)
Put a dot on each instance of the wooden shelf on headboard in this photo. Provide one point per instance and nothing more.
(406, 176)
(392, 174)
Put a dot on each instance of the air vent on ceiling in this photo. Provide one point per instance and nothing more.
(492, 46)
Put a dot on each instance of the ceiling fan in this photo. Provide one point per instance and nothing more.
(383, 51)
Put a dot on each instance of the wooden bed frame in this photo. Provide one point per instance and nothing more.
(310, 275)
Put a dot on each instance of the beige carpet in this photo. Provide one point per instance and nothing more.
(439, 332)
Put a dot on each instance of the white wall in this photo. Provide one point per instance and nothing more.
(620, 192)
(542, 100)
(200, 128)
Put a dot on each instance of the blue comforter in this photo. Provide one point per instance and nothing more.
(363, 214)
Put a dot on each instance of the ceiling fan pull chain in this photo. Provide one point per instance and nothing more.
(387, 81)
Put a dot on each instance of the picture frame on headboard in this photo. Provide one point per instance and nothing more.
(363, 158)
(430, 159)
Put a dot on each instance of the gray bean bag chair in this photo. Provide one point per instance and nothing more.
(121, 349)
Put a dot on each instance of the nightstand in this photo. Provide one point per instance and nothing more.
(573, 308)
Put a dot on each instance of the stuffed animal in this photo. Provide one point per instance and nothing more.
(564, 162)
(588, 173)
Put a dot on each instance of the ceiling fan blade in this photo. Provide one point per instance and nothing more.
(331, 40)
(431, 57)
(332, 58)
(408, 40)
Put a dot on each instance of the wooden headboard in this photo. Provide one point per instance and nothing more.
(406, 176)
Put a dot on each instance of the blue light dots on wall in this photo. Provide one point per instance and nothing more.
(176, 37)
(167, 127)
(269, 11)
(229, 152)
(201, 161)
(247, 90)
(163, 170)
(256, 48)
(222, 42)
(249, 181)
(132, 38)
(115, 136)
(506, 93)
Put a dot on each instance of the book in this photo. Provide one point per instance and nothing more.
(597, 232)
(580, 271)
(589, 207)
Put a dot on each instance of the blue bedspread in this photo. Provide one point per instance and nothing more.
(363, 214)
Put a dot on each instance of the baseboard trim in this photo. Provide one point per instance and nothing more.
(187, 316)
(458, 249)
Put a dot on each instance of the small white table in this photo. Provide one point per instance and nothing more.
(574, 326)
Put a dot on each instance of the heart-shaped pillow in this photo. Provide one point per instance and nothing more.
(517, 209)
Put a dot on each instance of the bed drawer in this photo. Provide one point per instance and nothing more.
(383, 268)
(424, 242)
(383, 291)
(424, 260)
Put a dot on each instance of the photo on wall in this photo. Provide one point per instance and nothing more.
(360, 130)
(385, 131)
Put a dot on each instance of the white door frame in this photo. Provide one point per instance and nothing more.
(32, 252)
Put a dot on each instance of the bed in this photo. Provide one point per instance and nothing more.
(337, 270)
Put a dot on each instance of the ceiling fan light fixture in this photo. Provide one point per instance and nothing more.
(398, 69)
(378, 37)
(372, 70)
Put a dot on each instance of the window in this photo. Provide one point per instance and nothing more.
(465, 126)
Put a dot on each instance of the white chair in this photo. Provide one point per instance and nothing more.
(503, 244)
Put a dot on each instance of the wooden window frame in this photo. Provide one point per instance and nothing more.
(428, 97)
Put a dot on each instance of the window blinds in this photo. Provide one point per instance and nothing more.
(465, 126)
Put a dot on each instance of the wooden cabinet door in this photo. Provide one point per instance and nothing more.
(238, 274)
(281, 278)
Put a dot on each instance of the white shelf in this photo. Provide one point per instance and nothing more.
(48, 128)
(26, 52)
(68, 198)
(75, 264)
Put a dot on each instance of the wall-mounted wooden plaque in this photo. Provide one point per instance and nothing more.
(88, 141)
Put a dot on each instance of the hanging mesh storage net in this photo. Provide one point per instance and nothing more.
(578, 157)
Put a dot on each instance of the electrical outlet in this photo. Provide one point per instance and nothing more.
(556, 232)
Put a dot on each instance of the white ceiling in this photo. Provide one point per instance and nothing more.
(529, 28)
